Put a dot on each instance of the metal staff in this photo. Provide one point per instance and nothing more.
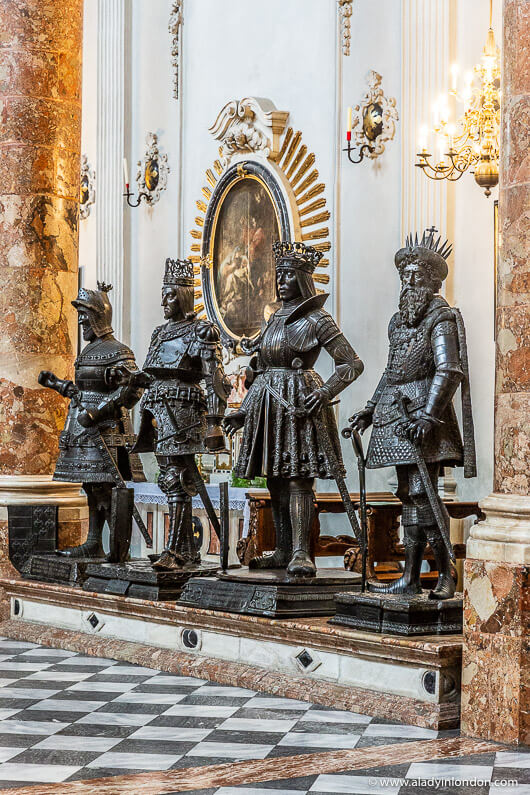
(351, 433)
(225, 527)
(438, 508)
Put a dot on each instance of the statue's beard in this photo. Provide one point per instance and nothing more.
(413, 303)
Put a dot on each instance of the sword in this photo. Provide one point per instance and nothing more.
(438, 508)
(101, 445)
(351, 433)
(224, 513)
(324, 442)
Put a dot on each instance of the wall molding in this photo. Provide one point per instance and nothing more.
(175, 21)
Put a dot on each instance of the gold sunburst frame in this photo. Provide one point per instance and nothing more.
(244, 129)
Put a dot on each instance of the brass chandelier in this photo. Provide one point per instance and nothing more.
(473, 140)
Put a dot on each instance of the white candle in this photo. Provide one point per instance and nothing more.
(348, 128)
(125, 172)
(454, 75)
(423, 137)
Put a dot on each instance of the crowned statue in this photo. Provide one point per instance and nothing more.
(180, 418)
(289, 429)
(414, 425)
(95, 444)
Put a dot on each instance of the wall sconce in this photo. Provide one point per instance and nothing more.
(151, 177)
(373, 122)
(87, 190)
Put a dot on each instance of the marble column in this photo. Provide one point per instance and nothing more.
(496, 664)
(40, 138)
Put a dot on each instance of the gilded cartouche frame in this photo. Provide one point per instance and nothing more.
(242, 170)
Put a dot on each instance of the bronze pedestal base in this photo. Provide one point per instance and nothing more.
(399, 614)
(58, 568)
(138, 579)
(270, 593)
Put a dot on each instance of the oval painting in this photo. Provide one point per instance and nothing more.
(243, 262)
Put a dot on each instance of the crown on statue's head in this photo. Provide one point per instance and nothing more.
(296, 255)
(432, 253)
(179, 272)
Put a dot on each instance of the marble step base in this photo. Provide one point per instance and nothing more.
(415, 680)
(399, 614)
(138, 579)
(58, 568)
(270, 593)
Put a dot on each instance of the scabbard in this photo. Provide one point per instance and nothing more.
(438, 508)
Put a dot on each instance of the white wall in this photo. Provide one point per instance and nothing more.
(288, 51)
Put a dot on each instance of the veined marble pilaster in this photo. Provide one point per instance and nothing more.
(110, 151)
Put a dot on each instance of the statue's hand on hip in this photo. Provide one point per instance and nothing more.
(234, 422)
(418, 430)
(316, 400)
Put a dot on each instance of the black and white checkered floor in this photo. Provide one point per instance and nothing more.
(64, 717)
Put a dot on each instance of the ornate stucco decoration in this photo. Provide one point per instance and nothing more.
(345, 12)
(249, 125)
(153, 169)
(374, 119)
(175, 21)
(87, 188)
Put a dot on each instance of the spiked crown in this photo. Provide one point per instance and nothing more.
(432, 253)
(298, 255)
(179, 272)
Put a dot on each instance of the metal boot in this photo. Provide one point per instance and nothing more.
(409, 582)
(446, 585)
(302, 511)
(92, 547)
(283, 553)
(168, 559)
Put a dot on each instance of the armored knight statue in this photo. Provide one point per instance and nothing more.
(414, 423)
(95, 444)
(289, 430)
(178, 417)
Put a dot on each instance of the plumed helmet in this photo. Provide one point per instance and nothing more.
(97, 306)
(428, 251)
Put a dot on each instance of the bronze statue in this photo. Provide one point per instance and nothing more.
(289, 429)
(414, 422)
(178, 420)
(97, 437)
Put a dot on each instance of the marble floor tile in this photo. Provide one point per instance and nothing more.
(178, 681)
(335, 716)
(45, 773)
(5, 682)
(354, 785)
(317, 740)
(515, 789)
(115, 719)
(265, 702)
(135, 761)
(34, 693)
(260, 790)
(242, 725)
(31, 727)
(195, 710)
(61, 742)
(43, 651)
(401, 731)
(57, 676)
(176, 735)
(222, 691)
(136, 697)
(22, 666)
(7, 713)
(101, 687)
(519, 759)
(99, 662)
(8, 752)
(231, 750)
(446, 770)
(20, 645)
(67, 705)
(129, 670)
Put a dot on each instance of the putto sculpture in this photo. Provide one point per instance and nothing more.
(414, 423)
(180, 419)
(289, 429)
(98, 435)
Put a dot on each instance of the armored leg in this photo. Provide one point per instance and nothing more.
(283, 552)
(414, 539)
(446, 585)
(120, 524)
(180, 548)
(99, 497)
(302, 513)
